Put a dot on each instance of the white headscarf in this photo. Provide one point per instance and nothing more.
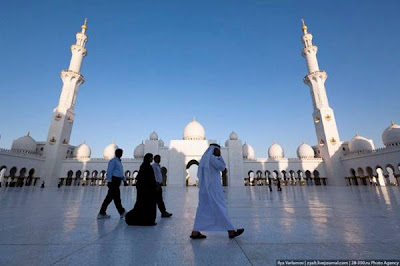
(204, 166)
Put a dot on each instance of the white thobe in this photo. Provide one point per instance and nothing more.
(212, 214)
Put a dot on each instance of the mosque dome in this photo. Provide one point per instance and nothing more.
(109, 151)
(194, 131)
(139, 151)
(233, 136)
(248, 151)
(154, 136)
(359, 143)
(275, 151)
(305, 151)
(82, 151)
(25, 143)
(391, 135)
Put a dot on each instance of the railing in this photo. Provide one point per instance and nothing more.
(372, 152)
(102, 159)
(283, 160)
(21, 153)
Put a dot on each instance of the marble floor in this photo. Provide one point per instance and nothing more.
(58, 226)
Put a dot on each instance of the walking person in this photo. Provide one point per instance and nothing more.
(115, 174)
(145, 210)
(279, 183)
(212, 213)
(158, 176)
(269, 182)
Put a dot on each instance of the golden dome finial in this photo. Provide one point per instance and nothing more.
(84, 26)
(304, 27)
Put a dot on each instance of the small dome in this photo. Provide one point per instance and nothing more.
(391, 135)
(275, 151)
(154, 136)
(248, 151)
(233, 136)
(25, 143)
(359, 143)
(82, 151)
(160, 143)
(139, 151)
(194, 131)
(227, 143)
(109, 151)
(305, 151)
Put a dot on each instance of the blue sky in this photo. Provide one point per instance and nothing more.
(234, 65)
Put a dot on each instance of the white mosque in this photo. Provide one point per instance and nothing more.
(329, 162)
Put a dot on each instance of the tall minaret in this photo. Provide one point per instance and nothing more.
(324, 118)
(63, 115)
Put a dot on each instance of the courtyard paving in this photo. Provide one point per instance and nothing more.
(58, 226)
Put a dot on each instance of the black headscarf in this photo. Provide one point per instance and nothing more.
(146, 173)
(147, 159)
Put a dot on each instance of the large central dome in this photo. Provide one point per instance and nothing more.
(194, 131)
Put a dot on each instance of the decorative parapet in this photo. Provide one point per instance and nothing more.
(283, 160)
(306, 159)
(101, 159)
(366, 153)
(21, 153)
(79, 75)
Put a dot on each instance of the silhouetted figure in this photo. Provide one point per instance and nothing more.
(115, 174)
(270, 183)
(279, 184)
(42, 186)
(159, 179)
(212, 213)
(145, 210)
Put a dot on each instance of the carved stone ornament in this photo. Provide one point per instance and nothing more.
(333, 140)
(70, 119)
(321, 143)
(52, 140)
(65, 142)
(316, 119)
(57, 117)
(328, 117)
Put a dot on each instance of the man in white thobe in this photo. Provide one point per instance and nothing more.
(212, 214)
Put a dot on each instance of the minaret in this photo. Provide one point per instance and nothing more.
(324, 118)
(63, 115)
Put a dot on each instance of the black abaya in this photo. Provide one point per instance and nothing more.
(145, 210)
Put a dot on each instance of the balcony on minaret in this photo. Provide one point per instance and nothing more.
(81, 39)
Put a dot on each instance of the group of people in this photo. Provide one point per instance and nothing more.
(212, 213)
(149, 191)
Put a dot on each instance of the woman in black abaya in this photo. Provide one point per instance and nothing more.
(145, 210)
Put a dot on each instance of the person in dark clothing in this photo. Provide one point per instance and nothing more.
(145, 210)
(158, 176)
(269, 183)
(279, 184)
(115, 174)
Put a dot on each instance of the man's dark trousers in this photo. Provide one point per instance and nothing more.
(113, 194)
(160, 201)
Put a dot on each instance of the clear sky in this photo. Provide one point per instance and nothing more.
(234, 65)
